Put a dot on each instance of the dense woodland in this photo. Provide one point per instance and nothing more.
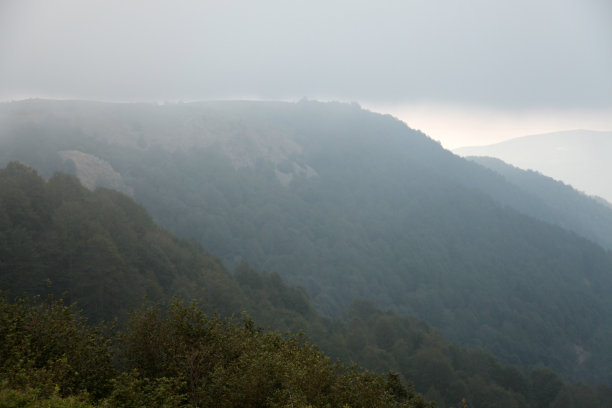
(174, 357)
(558, 203)
(103, 251)
(347, 205)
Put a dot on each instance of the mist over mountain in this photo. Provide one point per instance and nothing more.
(580, 158)
(347, 204)
(101, 250)
(554, 201)
(370, 264)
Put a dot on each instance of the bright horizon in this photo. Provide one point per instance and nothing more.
(464, 126)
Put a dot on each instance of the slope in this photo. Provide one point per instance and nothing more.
(44, 220)
(99, 247)
(556, 202)
(576, 157)
(349, 204)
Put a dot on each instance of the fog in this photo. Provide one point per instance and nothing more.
(506, 56)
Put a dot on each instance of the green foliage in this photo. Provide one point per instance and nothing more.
(49, 346)
(131, 390)
(96, 245)
(174, 357)
(226, 364)
(100, 247)
(31, 398)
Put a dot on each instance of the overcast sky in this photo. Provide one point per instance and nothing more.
(461, 71)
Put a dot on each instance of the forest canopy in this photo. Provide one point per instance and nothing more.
(47, 224)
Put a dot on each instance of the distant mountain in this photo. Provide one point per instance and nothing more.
(553, 201)
(347, 204)
(580, 158)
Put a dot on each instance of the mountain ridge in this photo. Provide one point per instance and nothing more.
(577, 157)
(130, 249)
(560, 203)
(390, 216)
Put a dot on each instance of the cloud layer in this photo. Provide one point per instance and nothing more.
(508, 54)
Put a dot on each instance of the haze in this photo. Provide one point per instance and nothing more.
(471, 72)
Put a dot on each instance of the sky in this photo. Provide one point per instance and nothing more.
(464, 72)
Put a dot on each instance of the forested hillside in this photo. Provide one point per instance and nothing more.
(557, 202)
(347, 204)
(174, 357)
(50, 232)
(99, 247)
(577, 157)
